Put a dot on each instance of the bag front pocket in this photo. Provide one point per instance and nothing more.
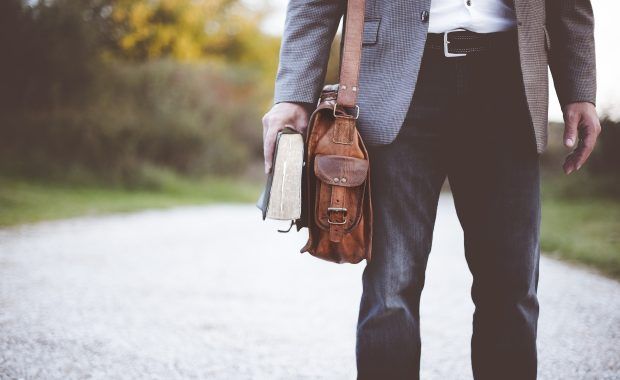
(340, 187)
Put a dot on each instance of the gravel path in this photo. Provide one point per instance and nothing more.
(214, 293)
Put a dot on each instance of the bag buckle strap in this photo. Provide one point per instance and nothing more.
(357, 112)
(337, 209)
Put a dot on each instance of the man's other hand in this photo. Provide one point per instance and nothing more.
(581, 126)
(280, 115)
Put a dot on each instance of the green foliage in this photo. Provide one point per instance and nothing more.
(606, 159)
(599, 177)
(583, 230)
(186, 95)
(581, 212)
(190, 118)
(49, 55)
(30, 200)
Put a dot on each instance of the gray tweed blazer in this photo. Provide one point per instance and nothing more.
(558, 33)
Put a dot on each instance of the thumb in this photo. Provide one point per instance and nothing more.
(571, 121)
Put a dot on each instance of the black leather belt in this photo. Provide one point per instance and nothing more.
(460, 42)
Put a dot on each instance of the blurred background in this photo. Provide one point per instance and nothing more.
(119, 105)
(111, 106)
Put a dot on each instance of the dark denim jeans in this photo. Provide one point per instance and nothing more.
(468, 122)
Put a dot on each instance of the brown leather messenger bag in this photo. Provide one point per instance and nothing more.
(336, 203)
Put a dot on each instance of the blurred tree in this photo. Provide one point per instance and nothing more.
(605, 160)
(49, 53)
(185, 30)
(154, 29)
(96, 85)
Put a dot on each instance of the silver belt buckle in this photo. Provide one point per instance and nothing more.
(446, 42)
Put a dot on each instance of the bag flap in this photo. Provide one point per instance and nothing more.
(340, 170)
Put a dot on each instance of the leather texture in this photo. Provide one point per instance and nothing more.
(466, 42)
(340, 170)
(550, 33)
(351, 54)
(337, 199)
(336, 202)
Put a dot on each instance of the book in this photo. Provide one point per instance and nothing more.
(281, 197)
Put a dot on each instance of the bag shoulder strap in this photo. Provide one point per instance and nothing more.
(351, 54)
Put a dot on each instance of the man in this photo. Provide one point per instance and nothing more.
(456, 89)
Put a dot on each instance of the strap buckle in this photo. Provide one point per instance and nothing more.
(337, 209)
(357, 112)
(446, 43)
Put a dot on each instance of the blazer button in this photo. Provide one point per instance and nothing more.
(424, 16)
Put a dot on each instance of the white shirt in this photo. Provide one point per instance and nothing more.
(482, 16)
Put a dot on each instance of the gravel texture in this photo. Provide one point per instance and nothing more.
(215, 293)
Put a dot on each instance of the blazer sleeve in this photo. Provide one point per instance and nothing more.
(309, 30)
(572, 60)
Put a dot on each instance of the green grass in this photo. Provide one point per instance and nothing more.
(584, 231)
(30, 200)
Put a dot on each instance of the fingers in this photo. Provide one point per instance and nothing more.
(589, 129)
(570, 163)
(269, 133)
(271, 127)
(281, 115)
(571, 121)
